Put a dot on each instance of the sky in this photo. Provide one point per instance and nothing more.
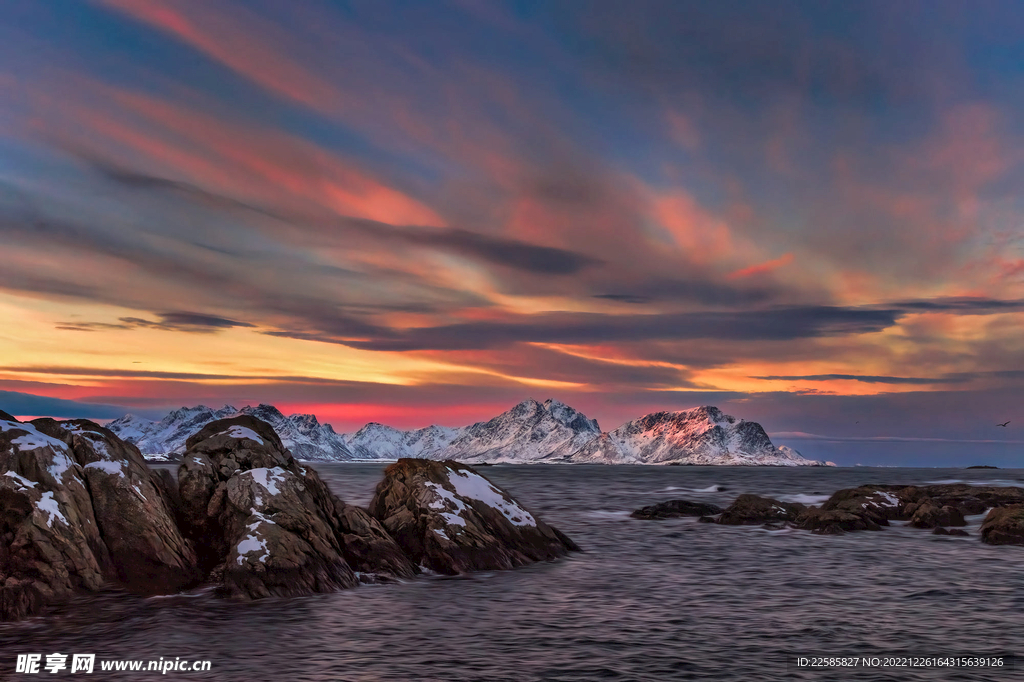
(806, 213)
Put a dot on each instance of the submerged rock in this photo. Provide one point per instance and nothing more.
(452, 520)
(750, 510)
(1004, 526)
(270, 526)
(674, 509)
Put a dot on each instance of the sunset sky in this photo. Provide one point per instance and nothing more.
(809, 214)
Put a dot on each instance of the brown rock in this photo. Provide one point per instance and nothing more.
(1004, 526)
(50, 546)
(929, 515)
(751, 510)
(834, 521)
(452, 520)
(270, 526)
(136, 522)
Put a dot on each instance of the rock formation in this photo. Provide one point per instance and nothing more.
(450, 519)
(80, 510)
(270, 526)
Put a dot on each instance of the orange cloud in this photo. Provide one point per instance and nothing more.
(762, 268)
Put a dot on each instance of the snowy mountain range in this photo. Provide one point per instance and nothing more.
(529, 432)
(306, 437)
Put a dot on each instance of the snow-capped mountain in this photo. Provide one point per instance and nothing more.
(700, 436)
(377, 441)
(529, 432)
(300, 433)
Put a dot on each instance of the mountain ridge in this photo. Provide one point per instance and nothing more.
(529, 432)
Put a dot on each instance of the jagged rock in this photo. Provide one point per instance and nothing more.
(1004, 526)
(270, 526)
(50, 545)
(674, 509)
(751, 510)
(928, 515)
(452, 520)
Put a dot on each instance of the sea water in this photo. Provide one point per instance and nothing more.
(646, 600)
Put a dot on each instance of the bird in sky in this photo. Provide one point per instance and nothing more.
(1004, 423)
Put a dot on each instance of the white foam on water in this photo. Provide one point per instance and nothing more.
(802, 498)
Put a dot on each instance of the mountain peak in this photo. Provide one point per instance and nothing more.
(302, 434)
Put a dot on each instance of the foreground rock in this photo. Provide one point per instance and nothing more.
(450, 519)
(50, 545)
(149, 555)
(750, 510)
(1004, 526)
(270, 526)
(674, 509)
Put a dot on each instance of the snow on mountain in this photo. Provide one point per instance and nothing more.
(699, 436)
(377, 441)
(529, 432)
(300, 433)
(306, 437)
(168, 435)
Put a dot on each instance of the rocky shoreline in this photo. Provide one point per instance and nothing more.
(81, 511)
(870, 508)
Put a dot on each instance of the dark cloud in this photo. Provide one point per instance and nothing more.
(625, 298)
(505, 252)
(867, 379)
(775, 324)
(509, 253)
(703, 291)
(175, 321)
(17, 403)
(962, 304)
(948, 378)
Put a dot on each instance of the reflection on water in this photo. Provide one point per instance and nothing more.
(648, 600)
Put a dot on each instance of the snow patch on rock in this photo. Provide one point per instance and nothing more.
(49, 506)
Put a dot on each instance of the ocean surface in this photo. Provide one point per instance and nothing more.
(647, 600)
